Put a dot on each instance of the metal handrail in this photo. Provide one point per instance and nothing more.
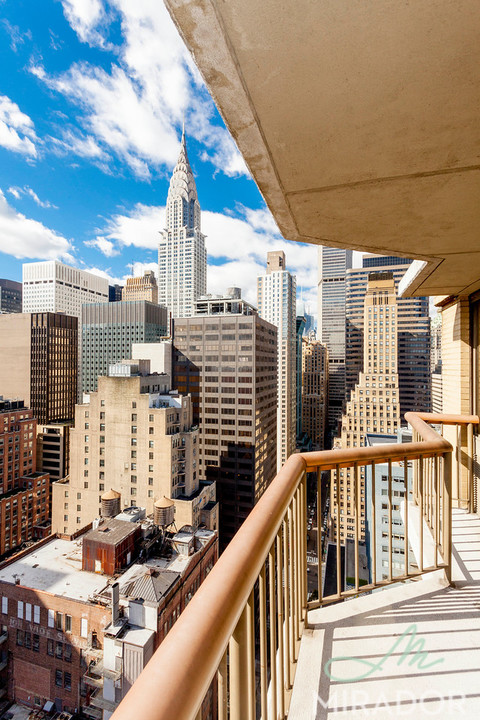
(179, 674)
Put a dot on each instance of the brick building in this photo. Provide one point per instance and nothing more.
(80, 639)
(24, 493)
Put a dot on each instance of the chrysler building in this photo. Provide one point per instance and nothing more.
(182, 256)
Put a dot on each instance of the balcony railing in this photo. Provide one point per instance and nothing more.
(244, 625)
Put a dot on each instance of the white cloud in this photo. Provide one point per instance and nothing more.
(17, 192)
(23, 237)
(105, 246)
(17, 132)
(84, 16)
(133, 110)
(140, 228)
(84, 146)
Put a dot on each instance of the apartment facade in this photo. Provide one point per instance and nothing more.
(138, 439)
(109, 331)
(374, 404)
(227, 361)
(39, 361)
(10, 296)
(182, 256)
(276, 301)
(333, 264)
(24, 492)
(414, 375)
(314, 391)
(141, 288)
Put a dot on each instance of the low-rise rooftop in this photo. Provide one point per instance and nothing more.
(55, 567)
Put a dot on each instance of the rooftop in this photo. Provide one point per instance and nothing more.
(55, 567)
(111, 531)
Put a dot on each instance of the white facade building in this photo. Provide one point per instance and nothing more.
(51, 286)
(182, 256)
(276, 300)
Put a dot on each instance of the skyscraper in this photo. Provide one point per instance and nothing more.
(141, 288)
(110, 329)
(314, 391)
(182, 256)
(226, 358)
(374, 405)
(38, 363)
(333, 264)
(10, 296)
(276, 300)
(413, 334)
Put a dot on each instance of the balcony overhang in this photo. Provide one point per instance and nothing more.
(358, 121)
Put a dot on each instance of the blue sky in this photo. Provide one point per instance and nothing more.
(92, 97)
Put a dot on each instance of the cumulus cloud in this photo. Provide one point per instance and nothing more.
(133, 109)
(105, 246)
(23, 237)
(17, 131)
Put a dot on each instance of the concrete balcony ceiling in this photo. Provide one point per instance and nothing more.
(358, 120)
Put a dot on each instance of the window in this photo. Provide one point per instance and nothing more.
(20, 610)
(84, 628)
(36, 643)
(5, 605)
(36, 614)
(59, 620)
(20, 637)
(51, 619)
(28, 612)
(67, 681)
(49, 647)
(59, 650)
(58, 678)
(67, 653)
(68, 623)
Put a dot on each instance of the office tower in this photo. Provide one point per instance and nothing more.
(141, 288)
(276, 300)
(51, 286)
(136, 438)
(226, 357)
(300, 329)
(90, 611)
(374, 405)
(436, 363)
(10, 296)
(115, 293)
(314, 391)
(110, 329)
(413, 334)
(333, 264)
(375, 533)
(38, 362)
(182, 256)
(24, 493)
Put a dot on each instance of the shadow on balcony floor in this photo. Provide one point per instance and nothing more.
(409, 651)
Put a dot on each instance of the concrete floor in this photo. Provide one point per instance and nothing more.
(377, 636)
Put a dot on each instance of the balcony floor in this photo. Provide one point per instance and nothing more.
(445, 683)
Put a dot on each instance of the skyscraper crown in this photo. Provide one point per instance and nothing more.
(182, 182)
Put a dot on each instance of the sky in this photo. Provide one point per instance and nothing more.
(92, 99)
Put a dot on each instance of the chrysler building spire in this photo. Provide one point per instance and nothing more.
(182, 257)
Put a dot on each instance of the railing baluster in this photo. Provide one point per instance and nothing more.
(303, 555)
(356, 505)
(447, 514)
(374, 525)
(272, 600)
(390, 523)
(291, 590)
(470, 466)
(280, 625)
(406, 501)
(319, 536)
(339, 556)
(420, 491)
(262, 601)
(296, 570)
(222, 687)
(436, 506)
(238, 656)
(250, 669)
(286, 616)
